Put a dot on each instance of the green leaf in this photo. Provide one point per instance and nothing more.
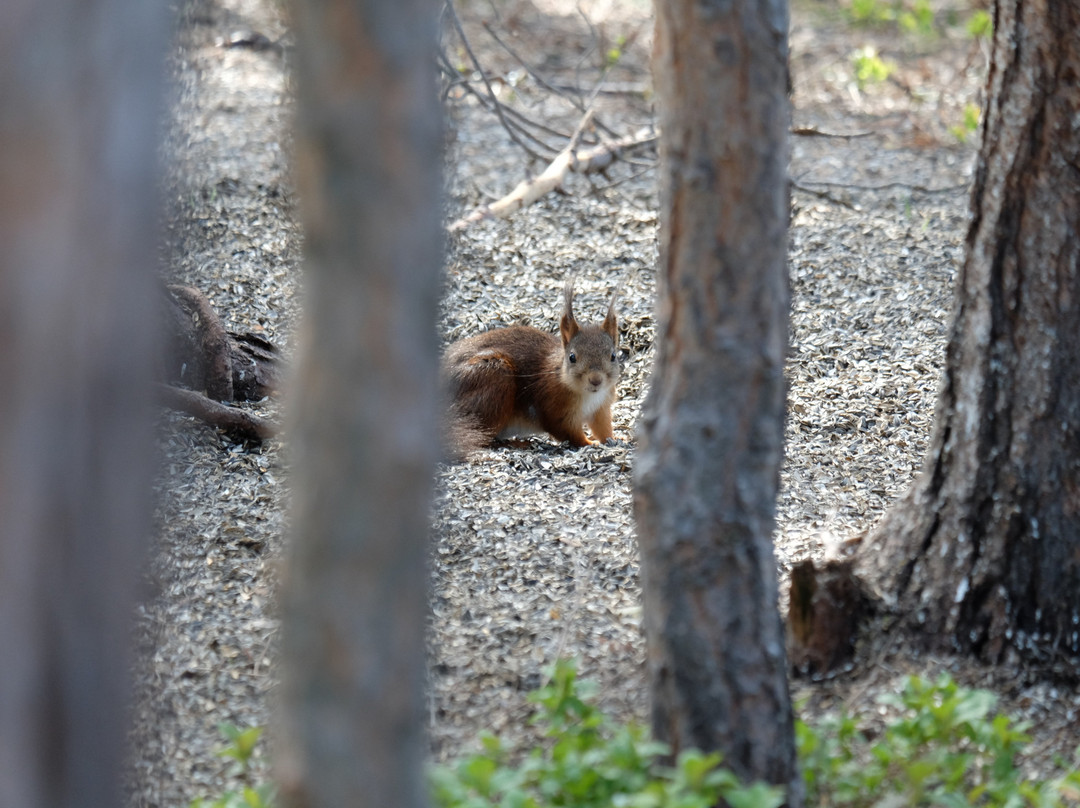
(974, 705)
(477, 773)
(758, 795)
(980, 25)
(694, 765)
(492, 745)
(230, 732)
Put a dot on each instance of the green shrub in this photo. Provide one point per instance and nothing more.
(916, 17)
(589, 762)
(941, 747)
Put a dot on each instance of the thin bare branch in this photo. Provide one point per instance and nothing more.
(515, 122)
(885, 186)
(452, 13)
(576, 102)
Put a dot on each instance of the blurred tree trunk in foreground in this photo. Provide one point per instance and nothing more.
(80, 83)
(983, 554)
(712, 443)
(365, 441)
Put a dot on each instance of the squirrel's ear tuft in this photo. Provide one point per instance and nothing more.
(568, 326)
(611, 323)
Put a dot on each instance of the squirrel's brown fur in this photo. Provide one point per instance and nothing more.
(521, 380)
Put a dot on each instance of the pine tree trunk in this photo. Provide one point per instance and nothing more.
(365, 444)
(712, 441)
(80, 91)
(983, 554)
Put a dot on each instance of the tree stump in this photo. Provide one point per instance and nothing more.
(825, 607)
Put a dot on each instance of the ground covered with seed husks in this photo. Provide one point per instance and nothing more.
(533, 551)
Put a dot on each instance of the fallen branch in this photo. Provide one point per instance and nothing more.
(813, 131)
(236, 423)
(587, 161)
(828, 197)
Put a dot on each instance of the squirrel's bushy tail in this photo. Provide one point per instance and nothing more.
(479, 387)
(462, 434)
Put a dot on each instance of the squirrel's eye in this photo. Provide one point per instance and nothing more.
(614, 358)
(572, 357)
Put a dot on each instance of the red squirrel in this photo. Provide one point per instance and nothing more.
(520, 380)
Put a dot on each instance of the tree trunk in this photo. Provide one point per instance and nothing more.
(712, 440)
(983, 554)
(79, 108)
(365, 441)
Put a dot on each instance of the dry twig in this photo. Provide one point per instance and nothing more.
(587, 161)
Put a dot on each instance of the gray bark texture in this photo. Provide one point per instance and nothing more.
(708, 465)
(983, 554)
(80, 89)
(364, 438)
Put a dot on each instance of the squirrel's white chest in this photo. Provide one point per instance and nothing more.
(591, 402)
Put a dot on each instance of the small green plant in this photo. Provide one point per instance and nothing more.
(943, 748)
(241, 746)
(241, 749)
(869, 67)
(919, 19)
(588, 762)
(980, 25)
(248, 797)
(615, 52)
(871, 12)
(969, 125)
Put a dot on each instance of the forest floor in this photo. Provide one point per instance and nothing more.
(533, 546)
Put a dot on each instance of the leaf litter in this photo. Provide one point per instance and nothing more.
(533, 554)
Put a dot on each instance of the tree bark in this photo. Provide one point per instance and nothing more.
(983, 553)
(80, 97)
(365, 439)
(707, 472)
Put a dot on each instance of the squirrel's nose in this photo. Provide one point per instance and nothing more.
(596, 379)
